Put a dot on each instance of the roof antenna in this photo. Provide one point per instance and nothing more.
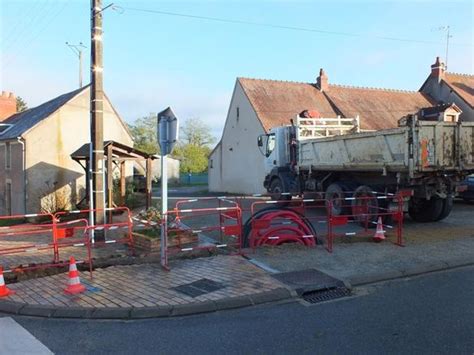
(448, 36)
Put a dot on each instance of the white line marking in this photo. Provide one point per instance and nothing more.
(15, 339)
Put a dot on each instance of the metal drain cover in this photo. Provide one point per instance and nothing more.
(304, 281)
(199, 287)
(325, 295)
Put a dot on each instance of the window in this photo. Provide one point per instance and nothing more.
(8, 156)
(5, 127)
(8, 198)
(450, 118)
(211, 165)
(270, 144)
(238, 114)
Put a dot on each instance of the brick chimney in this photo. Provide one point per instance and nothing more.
(322, 81)
(7, 105)
(438, 69)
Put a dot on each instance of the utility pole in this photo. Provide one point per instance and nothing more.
(77, 50)
(96, 161)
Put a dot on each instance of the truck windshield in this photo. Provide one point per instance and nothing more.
(270, 144)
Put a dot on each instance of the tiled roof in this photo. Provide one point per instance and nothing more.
(462, 84)
(25, 120)
(276, 102)
(377, 108)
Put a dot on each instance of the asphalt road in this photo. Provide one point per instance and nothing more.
(430, 314)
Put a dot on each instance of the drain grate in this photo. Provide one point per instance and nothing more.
(199, 287)
(325, 295)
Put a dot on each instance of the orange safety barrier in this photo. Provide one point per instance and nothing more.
(114, 230)
(31, 233)
(218, 225)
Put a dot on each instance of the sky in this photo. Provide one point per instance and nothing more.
(154, 60)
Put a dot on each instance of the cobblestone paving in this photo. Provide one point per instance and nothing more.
(148, 284)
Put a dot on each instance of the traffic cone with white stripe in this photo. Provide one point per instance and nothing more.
(74, 285)
(379, 233)
(4, 290)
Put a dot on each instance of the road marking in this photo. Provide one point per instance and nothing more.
(14, 339)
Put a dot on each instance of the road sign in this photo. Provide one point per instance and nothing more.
(168, 126)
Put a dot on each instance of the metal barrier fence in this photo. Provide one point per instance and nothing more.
(215, 223)
(362, 213)
(31, 233)
(112, 231)
(216, 226)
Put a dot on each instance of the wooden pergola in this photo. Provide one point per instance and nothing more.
(117, 154)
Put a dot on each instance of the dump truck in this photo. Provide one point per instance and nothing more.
(335, 159)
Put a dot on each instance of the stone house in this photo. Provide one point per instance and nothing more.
(35, 147)
(447, 88)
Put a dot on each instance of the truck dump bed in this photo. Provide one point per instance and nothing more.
(422, 147)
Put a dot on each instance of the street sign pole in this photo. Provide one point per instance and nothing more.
(167, 137)
(164, 210)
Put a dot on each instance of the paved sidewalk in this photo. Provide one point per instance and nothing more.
(360, 263)
(140, 291)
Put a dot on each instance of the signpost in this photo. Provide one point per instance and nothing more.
(168, 126)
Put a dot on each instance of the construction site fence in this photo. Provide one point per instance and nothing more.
(116, 228)
(312, 221)
(215, 224)
(29, 237)
(28, 234)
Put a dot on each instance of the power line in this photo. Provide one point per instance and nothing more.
(36, 33)
(283, 27)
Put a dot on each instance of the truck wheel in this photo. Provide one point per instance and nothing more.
(447, 208)
(335, 195)
(423, 210)
(365, 206)
(277, 189)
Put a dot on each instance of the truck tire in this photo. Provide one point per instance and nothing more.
(448, 203)
(277, 189)
(335, 194)
(365, 206)
(423, 210)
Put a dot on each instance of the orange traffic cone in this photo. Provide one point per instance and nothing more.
(74, 285)
(379, 233)
(4, 290)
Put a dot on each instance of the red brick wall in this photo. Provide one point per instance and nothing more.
(7, 105)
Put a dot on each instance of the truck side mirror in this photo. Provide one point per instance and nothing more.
(260, 141)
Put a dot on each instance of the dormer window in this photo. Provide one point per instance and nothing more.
(4, 127)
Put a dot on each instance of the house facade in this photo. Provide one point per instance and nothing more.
(236, 164)
(36, 169)
(447, 88)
